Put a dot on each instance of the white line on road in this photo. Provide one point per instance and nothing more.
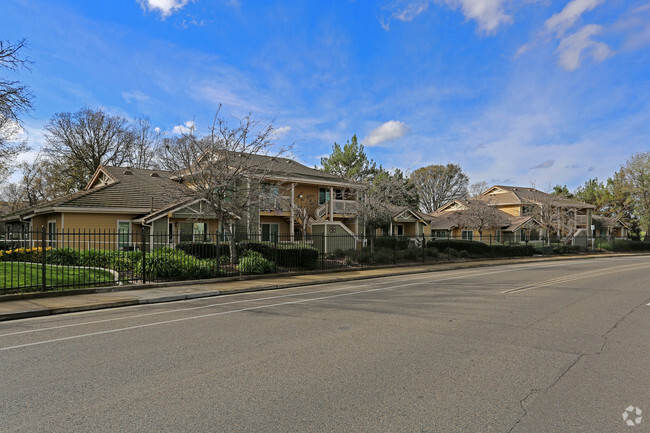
(426, 278)
(219, 304)
(221, 313)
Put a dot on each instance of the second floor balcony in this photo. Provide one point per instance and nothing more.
(345, 208)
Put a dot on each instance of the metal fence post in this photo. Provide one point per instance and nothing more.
(144, 255)
(43, 260)
(322, 253)
(423, 246)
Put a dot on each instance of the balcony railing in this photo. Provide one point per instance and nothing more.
(341, 207)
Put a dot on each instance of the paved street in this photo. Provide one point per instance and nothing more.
(539, 347)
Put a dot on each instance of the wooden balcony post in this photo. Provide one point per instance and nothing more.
(331, 203)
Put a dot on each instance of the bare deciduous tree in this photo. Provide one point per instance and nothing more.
(476, 188)
(87, 139)
(15, 99)
(480, 216)
(146, 143)
(226, 168)
(439, 184)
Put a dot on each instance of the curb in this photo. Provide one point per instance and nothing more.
(30, 313)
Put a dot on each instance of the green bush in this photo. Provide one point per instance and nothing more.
(432, 252)
(472, 247)
(411, 254)
(296, 254)
(254, 263)
(170, 264)
(451, 252)
(63, 256)
(205, 250)
(464, 254)
(390, 242)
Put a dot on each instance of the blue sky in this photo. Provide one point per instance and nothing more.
(515, 91)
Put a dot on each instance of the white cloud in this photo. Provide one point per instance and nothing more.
(489, 14)
(573, 49)
(185, 128)
(388, 131)
(635, 24)
(564, 20)
(281, 131)
(165, 7)
(136, 95)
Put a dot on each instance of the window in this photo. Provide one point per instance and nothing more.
(51, 233)
(498, 236)
(123, 234)
(192, 231)
(440, 234)
(323, 195)
(468, 235)
(171, 233)
(270, 232)
(400, 229)
(199, 231)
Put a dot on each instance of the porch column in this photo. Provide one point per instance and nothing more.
(331, 203)
(291, 223)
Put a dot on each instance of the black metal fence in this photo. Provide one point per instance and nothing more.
(41, 261)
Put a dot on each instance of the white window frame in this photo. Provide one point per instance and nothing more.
(51, 237)
(130, 235)
(467, 235)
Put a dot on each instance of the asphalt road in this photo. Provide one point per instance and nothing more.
(566, 348)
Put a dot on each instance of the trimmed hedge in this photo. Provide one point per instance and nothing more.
(390, 242)
(205, 250)
(284, 254)
(480, 248)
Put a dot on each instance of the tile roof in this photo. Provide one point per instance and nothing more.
(524, 195)
(132, 189)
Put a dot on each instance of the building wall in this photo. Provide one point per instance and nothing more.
(283, 224)
(511, 209)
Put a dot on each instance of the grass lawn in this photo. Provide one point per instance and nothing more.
(27, 277)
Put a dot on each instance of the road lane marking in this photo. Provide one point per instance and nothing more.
(177, 310)
(574, 277)
(221, 313)
(428, 278)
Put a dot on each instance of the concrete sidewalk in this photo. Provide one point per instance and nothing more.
(12, 307)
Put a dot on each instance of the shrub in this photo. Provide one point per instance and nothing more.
(390, 242)
(23, 254)
(63, 256)
(450, 251)
(170, 264)
(432, 252)
(472, 247)
(205, 250)
(254, 263)
(286, 254)
(411, 254)
(464, 254)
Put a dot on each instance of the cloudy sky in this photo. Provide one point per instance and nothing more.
(515, 91)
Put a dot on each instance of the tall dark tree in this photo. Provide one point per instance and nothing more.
(350, 161)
